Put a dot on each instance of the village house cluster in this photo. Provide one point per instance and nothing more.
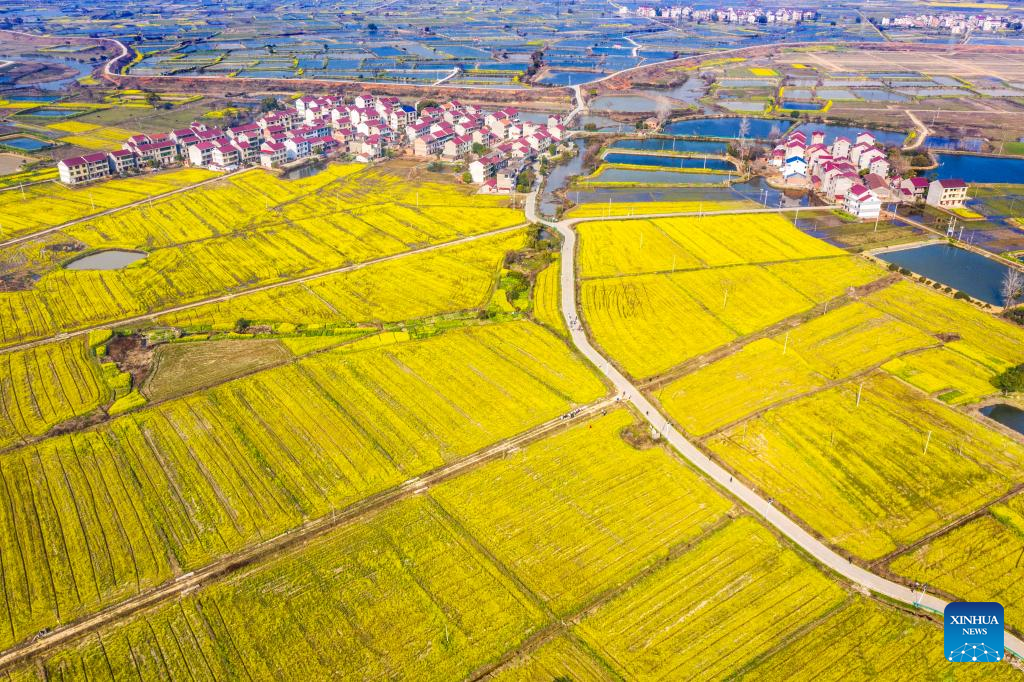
(366, 128)
(724, 15)
(856, 175)
(955, 24)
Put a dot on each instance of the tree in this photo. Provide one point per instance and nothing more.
(371, 27)
(152, 99)
(1012, 287)
(1010, 381)
(269, 104)
(479, 148)
(467, 177)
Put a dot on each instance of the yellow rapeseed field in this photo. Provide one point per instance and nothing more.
(875, 476)
(99, 515)
(733, 596)
(224, 238)
(547, 307)
(48, 204)
(574, 514)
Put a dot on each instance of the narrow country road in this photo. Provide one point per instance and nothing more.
(817, 549)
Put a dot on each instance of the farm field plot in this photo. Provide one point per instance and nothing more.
(976, 562)
(329, 612)
(92, 136)
(853, 338)
(954, 378)
(865, 640)
(560, 657)
(269, 252)
(420, 285)
(43, 386)
(727, 600)
(547, 292)
(758, 375)
(860, 475)
(102, 514)
(982, 335)
(577, 513)
(615, 247)
(648, 324)
(51, 203)
(180, 368)
(651, 323)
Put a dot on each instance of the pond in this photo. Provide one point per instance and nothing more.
(25, 144)
(569, 77)
(967, 271)
(962, 144)
(801, 106)
(669, 161)
(973, 168)
(558, 178)
(754, 189)
(1007, 415)
(886, 138)
(622, 103)
(672, 144)
(44, 112)
(660, 177)
(105, 260)
(727, 127)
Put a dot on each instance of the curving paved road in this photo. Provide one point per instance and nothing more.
(855, 574)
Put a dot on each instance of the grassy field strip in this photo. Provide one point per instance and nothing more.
(289, 541)
(77, 205)
(256, 290)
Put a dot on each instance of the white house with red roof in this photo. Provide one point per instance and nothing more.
(950, 193)
(862, 203)
(86, 168)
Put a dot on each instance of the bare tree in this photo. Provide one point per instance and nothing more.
(1012, 288)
